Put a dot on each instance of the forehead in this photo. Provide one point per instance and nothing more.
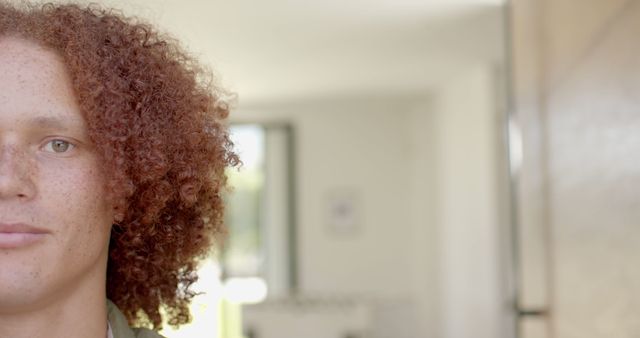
(34, 83)
(29, 57)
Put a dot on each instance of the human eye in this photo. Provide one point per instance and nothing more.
(58, 146)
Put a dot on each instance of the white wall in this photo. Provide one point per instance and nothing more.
(426, 175)
(361, 150)
(424, 240)
(468, 161)
(361, 146)
(457, 208)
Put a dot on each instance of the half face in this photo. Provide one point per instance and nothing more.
(54, 219)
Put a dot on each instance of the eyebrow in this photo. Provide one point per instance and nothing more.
(46, 122)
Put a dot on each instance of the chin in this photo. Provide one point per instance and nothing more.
(19, 298)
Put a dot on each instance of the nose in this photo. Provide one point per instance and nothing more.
(15, 174)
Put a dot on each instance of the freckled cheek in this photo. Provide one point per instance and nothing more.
(75, 197)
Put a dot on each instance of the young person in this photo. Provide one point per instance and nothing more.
(112, 156)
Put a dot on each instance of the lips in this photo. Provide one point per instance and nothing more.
(20, 228)
(18, 235)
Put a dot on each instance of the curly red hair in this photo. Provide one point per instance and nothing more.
(156, 119)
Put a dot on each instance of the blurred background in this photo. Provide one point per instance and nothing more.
(422, 168)
(374, 183)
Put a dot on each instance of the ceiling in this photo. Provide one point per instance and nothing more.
(283, 50)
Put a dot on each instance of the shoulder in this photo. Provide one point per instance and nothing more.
(145, 333)
(120, 327)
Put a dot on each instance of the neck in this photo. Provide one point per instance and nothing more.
(76, 313)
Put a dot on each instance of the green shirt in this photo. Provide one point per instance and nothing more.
(120, 327)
